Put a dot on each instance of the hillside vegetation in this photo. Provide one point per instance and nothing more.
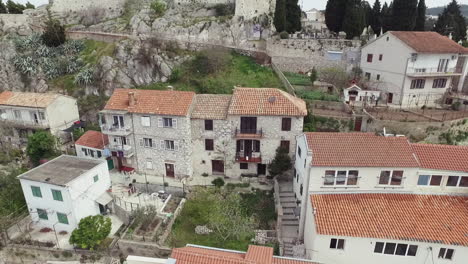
(434, 11)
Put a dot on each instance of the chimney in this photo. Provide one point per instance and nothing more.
(131, 99)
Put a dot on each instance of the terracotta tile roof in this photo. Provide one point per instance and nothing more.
(192, 254)
(442, 157)
(429, 218)
(93, 139)
(266, 102)
(40, 100)
(211, 106)
(429, 42)
(360, 150)
(174, 103)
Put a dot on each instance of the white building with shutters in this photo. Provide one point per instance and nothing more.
(66, 189)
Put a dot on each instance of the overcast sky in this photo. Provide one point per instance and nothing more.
(307, 4)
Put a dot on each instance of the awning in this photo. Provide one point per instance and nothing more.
(104, 199)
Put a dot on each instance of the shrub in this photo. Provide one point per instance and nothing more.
(41, 144)
(218, 182)
(85, 77)
(91, 231)
(225, 9)
(281, 163)
(456, 106)
(209, 62)
(284, 35)
(204, 174)
(54, 34)
(158, 7)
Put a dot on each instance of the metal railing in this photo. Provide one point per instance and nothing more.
(433, 71)
(116, 129)
(250, 157)
(249, 132)
(126, 149)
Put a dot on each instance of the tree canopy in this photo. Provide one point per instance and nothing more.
(421, 18)
(281, 163)
(287, 16)
(91, 231)
(41, 145)
(451, 21)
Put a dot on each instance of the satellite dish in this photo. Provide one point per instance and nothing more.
(3, 116)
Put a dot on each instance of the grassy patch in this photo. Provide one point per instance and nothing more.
(95, 50)
(65, 83)
(318, 95)
(298, 79)
(238, 70)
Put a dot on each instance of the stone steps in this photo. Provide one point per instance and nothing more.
(290, 223)
(287, 200)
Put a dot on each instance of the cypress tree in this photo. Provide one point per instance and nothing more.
(354, 20)
(421, 19)
(386, 16)
(404, 13)
(280, 16)
(367, 10)
(376, 21)
(452, 21)
(334, 14)
(293, 16)
(3, 9)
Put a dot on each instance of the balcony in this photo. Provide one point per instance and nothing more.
(116, 130)
(433, 72)
(125, 151)
(26, 124)
(248, 133)
(254, 157)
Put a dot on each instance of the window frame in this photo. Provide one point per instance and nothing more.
(209, 125)
(346, 178)
(459, 181)
(149, 141)
(17, 114)
(209, 144)
(390, 177)
(57, 195)
(430, 180)
(380, 57)
(444, 253)
(243, 166)
(169, 145)
(61, 216)
(337, 243)
(167, 122)
(370, 57)
(34, 190)
(96, 178)
(418, 84)
(146, 121)
(286, 124)
(439, 83)
(42, 212)
(391, 248)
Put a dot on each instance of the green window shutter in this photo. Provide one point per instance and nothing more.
(96, 178)
(62, 218)
(57, 195)
(42, 214)
(36, 191)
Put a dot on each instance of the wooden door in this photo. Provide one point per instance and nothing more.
(217, 166)
(170, 171)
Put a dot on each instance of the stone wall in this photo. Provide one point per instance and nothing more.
(128, 247)
(202, 2)
(111, 8)
(15, 23)
(253, 8)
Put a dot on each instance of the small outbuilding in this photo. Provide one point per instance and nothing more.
(355, 94)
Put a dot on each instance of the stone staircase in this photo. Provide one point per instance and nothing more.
(290, 223)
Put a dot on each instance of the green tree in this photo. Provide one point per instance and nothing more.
(29, 5)
(354, 20)
(218, 182)
(54, 34)
(14, 8)
(376, 19)
(11, 194)
(91, 231)
(404, 13)
(3, 8)
(421, 18)
(41, 145)
(386, 16)
(313, 76)
(280, 16)
(367, 11)
(281, 163)
(293, 16)
(334, 14)
(452, 21)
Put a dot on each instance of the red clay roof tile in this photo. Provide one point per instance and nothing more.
(442, 157)
(93, 139)
(360, 150)
(429, 42)
(430, 218)
(211, 106)
(39, 100)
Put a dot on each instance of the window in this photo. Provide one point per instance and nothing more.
(91, 153)
(286, 124)
(118, 121)
(299, 151)
(167, 122)
(41, 115)
(344, 177)
(443, 64)
(457, 181)
(439, 83)
(36, 191)
(146, 121)
(57, 195)
(85, 151)
(431, 180)
(149, 164)
(368, 75)
(337, 243)
(62, 218)
(42, 214)
(285, 144)
(17, 114)
(301, 189)
(148, 142)
(395, 249)
(446, 253)
(378, 77)
(391, 177)
(369, 57)
(209, 144)
(96, 178)
(418, 84)
(244, 166)
(380, 57)
(169, 144)
(99, 154)
(209, 125)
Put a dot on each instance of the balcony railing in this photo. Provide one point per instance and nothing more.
(422, 72)
(116, 129)
(254, 157)
(248, 133)
(39, 124)
(126, 150)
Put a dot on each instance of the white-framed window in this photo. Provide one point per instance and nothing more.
(41, 115)
(439, 83)
(170, 145)
(85, 151)
(167, 122)
(418, 84)
(443, 65)
(148, 142)
(341, 177)
(149, 164)
(91, 153)
(146, 121)
(457, 181)
(391, 177)
(430, 180)
(17, 114)
(446, 253)
(398, 249)
(337, 243)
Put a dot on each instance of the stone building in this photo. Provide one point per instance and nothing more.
(180, 134)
